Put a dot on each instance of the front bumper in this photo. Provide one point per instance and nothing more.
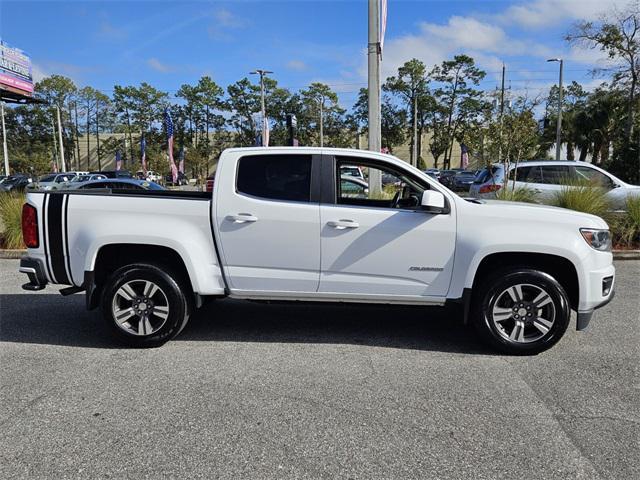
(35, 271)
(600, 291)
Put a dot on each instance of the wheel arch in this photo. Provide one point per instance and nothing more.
(559, 267)
(110, 257)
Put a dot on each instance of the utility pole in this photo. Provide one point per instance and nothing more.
(4, 142)
(62, 162)
(55, 146)
(501, 112)
(375, 133)
(560, 100)
(321, 102)
(262, 73)
(414, 147)
(97, 136)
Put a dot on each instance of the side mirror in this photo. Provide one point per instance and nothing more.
(433, 201)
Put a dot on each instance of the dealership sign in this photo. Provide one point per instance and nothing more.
(15, 70)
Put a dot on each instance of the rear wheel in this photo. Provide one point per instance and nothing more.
(521, 311)
(144, 306)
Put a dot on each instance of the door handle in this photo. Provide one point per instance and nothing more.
(242, 218)
(342, 224)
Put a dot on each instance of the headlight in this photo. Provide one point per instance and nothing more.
(598, 239)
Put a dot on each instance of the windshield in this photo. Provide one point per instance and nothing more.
(47, 178)
(486, 174)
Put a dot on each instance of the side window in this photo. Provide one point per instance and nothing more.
(593, 176)
(398, 189)
(276, 177)
(527, 174)
(556, 174)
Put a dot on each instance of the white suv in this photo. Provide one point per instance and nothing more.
(546, 178)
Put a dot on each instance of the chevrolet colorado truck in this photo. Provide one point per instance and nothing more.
(281, 225)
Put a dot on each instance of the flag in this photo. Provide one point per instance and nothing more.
(181, 163)
(143, 154)
(169, 125)
(118, 160)
(464, 156)
(383, 22)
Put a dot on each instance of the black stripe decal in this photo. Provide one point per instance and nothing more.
(66, 238)
(45, 236)
(56, 246)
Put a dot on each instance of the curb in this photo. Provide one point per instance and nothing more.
(11, 254)
(626, 254)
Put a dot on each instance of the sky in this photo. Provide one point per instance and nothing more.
(170, 43)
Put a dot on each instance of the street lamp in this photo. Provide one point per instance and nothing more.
(262, 73)
(559, 125)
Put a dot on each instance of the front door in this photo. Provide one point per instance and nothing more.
(269, 225)
(385, 245)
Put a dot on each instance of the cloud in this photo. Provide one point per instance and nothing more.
(38, 72)
(297, 65)
(545, 13)
(224, 21)
(158, 66)
(227, 19)
(107, 31)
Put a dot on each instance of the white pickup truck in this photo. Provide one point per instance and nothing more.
(281, 224)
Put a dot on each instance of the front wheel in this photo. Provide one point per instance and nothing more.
(144, 306)
(521, 311)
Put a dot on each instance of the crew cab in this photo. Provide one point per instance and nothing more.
(279, 226)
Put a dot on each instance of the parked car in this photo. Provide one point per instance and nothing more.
(117, 184)
(78, 179)
(462, 181)
(151, 176)
(114, 173)
(2, 178)
(15, 183)
(181, 180)
(54, 181)
(446, 177)
(273, 230)
(548, 177)
(351, 171)
(210, 180)
(353, 187)
(433, 173)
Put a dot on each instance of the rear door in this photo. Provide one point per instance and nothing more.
(554, 179)
(267, 214)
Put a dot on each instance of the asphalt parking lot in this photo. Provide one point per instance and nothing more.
(282, 391)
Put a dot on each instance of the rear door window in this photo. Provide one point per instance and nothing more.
(526, 174)
(275, 177)
(556, 174)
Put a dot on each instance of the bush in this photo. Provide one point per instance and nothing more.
(522, 194)
(625, 226)
(583, 198)
(11, 219)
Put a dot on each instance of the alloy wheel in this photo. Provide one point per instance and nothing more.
(140, 307)
(523, 313)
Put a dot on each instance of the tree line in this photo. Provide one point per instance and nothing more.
(431, 109)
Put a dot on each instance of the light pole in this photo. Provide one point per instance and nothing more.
(262, 73)
(62, 162)
(4, 143)
(373, 48)
(321, 104)
(559, 124)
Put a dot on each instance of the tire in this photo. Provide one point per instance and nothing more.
(521, 311)
(144, 305)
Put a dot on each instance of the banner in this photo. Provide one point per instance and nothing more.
(15, 69)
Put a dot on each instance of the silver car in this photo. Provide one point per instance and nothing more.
(547, 178)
